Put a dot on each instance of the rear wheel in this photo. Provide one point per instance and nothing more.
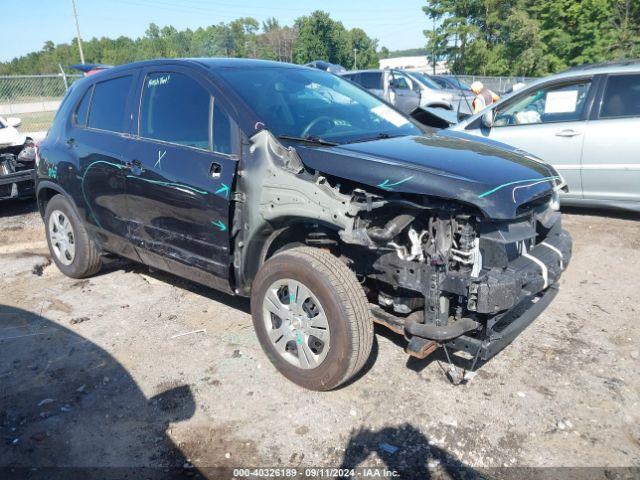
(311, 317)
(72, 250)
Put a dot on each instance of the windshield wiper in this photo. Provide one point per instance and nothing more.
(380, 136)
(308, 139)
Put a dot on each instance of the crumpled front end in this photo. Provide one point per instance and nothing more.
(440, 270)
(468, 282)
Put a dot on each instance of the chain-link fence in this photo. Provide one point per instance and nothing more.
(497, 84)
(33, 98)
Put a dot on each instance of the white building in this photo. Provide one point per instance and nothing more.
(420, 63)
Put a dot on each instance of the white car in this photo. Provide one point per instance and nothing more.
(9, 134)
(17, 158)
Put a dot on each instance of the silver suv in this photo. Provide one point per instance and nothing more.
(400, 89)
(585, 122)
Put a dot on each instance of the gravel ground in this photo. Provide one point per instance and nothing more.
(138, 368)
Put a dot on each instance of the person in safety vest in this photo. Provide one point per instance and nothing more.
(484, 97)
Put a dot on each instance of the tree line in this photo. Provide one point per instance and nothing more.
(530, 37)
(313, 37)
(483, 37)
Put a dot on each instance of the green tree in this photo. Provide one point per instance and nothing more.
(530, 37)
(321, 38)
(364, 49)
(244, 37)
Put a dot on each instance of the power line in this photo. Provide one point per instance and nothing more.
(238, 11)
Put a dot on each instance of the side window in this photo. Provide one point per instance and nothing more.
(441, 82)
(355, 78)
(223, 132)
(371, 80)
(621, 97)
(175, 109)
(108, 104)
(563, 103)
(400, 82)
(80, 115)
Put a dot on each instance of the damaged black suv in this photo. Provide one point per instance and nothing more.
(326, 206)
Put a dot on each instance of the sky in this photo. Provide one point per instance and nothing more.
(40, 20)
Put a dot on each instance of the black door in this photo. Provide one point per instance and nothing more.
(98, 139)
(183, 167)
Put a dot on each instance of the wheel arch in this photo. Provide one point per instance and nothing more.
(46, 190)
(273, 237)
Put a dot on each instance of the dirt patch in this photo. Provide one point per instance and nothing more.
(128, 389)
(60, 306)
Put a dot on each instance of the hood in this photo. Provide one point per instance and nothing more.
(495, 178)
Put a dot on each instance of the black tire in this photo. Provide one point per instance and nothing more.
(345, 305)
(87, 259)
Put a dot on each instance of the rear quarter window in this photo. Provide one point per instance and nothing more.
(109, 103)
(82, 110)
(621, 97)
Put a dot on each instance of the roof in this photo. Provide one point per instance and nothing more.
(614, 64)
(597, 69)
(209, 63)
(240, 63)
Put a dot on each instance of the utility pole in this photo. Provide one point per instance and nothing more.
(75, 16)
(355, 58)
(433, 45)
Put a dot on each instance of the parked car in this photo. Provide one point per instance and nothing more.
(400, 89)
(585, 122)
(451, 82)
(327, 207)
(89, 68)
(461, 100)
(326, 66)
(17, 156)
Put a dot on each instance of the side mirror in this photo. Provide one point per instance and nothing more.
(487, 118)
(14, 122)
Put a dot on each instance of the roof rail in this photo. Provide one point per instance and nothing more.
(613, 63)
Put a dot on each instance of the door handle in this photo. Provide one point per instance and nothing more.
(567, 133)
(216, 170)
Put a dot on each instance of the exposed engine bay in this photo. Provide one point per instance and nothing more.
(438, 273)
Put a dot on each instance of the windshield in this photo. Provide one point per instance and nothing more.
(458, 83)
(425, 80)
(315, 104)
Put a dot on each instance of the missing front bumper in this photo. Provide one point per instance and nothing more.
(487, 340)
(503, 329)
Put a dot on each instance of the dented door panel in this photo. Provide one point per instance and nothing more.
(178, 209)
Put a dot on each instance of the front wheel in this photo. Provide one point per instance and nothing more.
(311, 317)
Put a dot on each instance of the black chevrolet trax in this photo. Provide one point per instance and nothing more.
(324, 204)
